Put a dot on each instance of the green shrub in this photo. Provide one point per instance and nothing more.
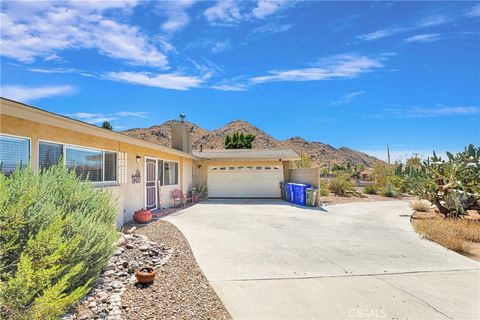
(202, 190)
(389, 191)
(324, 191)
(341, 185)
(370, 189)
(57, 233)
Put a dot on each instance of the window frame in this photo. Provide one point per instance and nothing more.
(29, 162)
(74, 146)
(178, 173)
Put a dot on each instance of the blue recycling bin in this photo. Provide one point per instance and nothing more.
(290, 192)
(300, 193)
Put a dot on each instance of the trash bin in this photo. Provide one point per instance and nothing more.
(290, 193)
(300, 193)
(311, 196)
(283, 190)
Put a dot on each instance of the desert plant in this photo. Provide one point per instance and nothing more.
(452, 185)
(420, 205)
(202, 190)
(323, 189)
(57, 233)
(389, 191)
(370, 189)
(305, 162)
(341, 185)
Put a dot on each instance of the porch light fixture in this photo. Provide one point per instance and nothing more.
(138, 158)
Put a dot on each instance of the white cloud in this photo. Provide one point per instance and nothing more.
(93, 118)
(226, 11)
(74, 25)
(176, 13)
(230, 87)
(270, 28)
(229, 12)
(138, 114)
(97, 118)
(473, 11)
(165, 81)
(429, 21)
(267, 7)
(343, 66)
(346, 99)
(427, 37)
(220, 46)
(440, 111)
(26, 94)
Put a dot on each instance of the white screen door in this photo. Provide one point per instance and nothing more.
(150, 183)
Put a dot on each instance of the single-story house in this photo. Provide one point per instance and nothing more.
(366, 174)
(140, 173)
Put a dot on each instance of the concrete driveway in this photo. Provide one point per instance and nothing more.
(270, 260)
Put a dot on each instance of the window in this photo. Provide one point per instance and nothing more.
(49, 154)
(87, 163)
(13, 152)
(231, 168)
(110, 166)
(170, 174)
(96, 165)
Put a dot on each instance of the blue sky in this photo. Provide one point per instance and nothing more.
(356, 74)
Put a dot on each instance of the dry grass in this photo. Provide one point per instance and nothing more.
(420, 205)
(456, 235)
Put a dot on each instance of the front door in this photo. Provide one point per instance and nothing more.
(150, 183)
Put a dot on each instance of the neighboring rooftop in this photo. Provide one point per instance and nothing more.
(264, 154)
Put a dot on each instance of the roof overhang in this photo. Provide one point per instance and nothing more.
(23, 111)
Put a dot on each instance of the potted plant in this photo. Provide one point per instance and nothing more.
(145, 275)
(142, 216)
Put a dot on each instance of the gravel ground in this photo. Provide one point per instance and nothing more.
(180, 290)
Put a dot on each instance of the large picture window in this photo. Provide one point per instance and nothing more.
(170, 174)
(49, 154)
(14, 152)
(87, 163)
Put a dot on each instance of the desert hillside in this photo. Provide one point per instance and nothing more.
(321, 154)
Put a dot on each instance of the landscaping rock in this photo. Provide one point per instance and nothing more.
(104, 301)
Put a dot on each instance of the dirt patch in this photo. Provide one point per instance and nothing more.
(333, 199)
(180, 290)
(460, 235)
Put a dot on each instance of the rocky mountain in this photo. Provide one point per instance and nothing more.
(320, 153)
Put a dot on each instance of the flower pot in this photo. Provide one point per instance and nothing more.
(142, 216)
(145, 275)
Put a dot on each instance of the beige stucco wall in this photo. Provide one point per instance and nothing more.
(132, 194)
(309, 176)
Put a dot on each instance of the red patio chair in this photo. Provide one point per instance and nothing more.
(178, 196)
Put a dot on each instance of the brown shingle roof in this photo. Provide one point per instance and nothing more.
(232, 154)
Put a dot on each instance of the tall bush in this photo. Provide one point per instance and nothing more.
(56, 235)
(341, 185)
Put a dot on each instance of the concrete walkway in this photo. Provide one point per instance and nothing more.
(271, 260)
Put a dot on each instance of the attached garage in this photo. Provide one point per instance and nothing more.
(244, 181)
(243, 173)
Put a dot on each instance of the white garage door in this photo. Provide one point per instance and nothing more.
(244, 181)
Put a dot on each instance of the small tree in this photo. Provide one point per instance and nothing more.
(304, 162)
(452, 185)
(238, 140)
(107, 125)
